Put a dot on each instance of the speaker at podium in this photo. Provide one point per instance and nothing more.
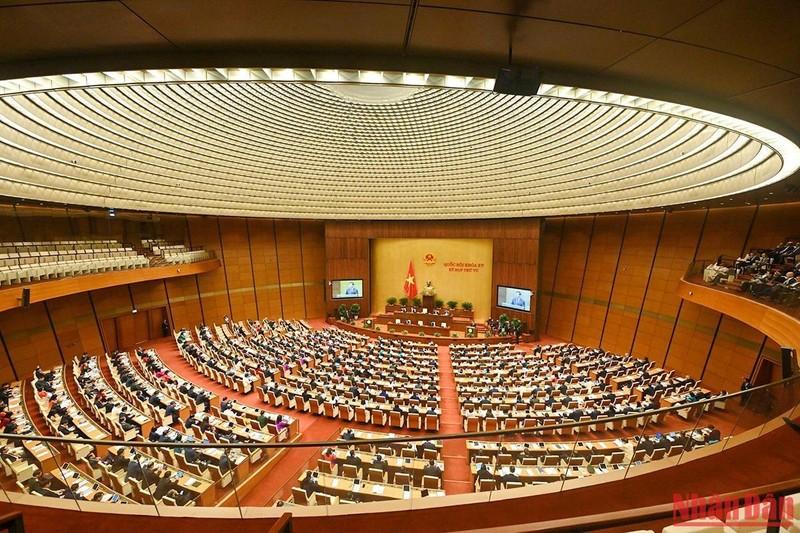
(429, 296)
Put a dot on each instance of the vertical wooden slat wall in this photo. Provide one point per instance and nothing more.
(606, 280)
(312, 240)
(630, 280)
(676, 249)
(290, 268)
(238, 270)
(213, 287)
(617, 283)
(248, 286)
(265, 267)
(550, 241)
(572, 262)
(596, 285)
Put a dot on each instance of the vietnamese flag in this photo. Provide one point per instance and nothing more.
(410, 286)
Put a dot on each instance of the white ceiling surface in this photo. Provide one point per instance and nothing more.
(315, 150)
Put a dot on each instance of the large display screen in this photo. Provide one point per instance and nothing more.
(347, 288)
(514, 298)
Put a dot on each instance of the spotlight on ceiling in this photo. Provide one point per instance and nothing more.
(518, 81)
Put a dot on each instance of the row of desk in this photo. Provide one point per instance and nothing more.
(412, 465)
(367, 491)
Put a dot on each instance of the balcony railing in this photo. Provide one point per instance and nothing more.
(788, 303)
(582, 460)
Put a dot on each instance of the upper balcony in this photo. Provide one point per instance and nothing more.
(778, 321)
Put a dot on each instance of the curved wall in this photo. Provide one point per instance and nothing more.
(608, 280)
(612, 281)
(777, 325)
(270, 268)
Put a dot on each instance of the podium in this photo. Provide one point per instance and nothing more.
(429, 302)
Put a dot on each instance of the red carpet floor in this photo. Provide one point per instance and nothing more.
(457, 477)
(284, 475)
(278, 484)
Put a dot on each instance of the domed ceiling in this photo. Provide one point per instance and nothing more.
(365, 145)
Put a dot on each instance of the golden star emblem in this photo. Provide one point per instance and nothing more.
(410, 280)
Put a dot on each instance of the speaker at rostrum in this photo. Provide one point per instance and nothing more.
(787, 362)
(518, 81)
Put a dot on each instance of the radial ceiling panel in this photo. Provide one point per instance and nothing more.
(333, 144)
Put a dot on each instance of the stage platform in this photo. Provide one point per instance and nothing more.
(440, 341)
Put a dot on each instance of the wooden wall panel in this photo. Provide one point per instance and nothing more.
(631, 280)
(515, 244)
(676, 249)
(515, 263)
(348, 258)
(29, 339)
(770, 353)
(172, 228)
(238, 269)
(281, 270)
(725, 232)
(265, 268)
(290, 268)
(75, 325)
(204, 231)
(517, 228)
(312, 240)
(149, 294)
(113, 301)
(40, 224)
(733, 355)
(629, 287)
(7, 371)
(692, 339)
(10, 227)
(184, 302)
(549, 253)
(770, 226)
(571, 264)
(598, 278)
(253, 283)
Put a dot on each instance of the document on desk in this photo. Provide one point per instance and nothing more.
(377, 489)
(334, 482)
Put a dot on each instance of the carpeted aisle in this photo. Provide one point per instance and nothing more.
(457, 476)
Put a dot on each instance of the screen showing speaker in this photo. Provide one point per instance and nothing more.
(514, 298)
(347, 288)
